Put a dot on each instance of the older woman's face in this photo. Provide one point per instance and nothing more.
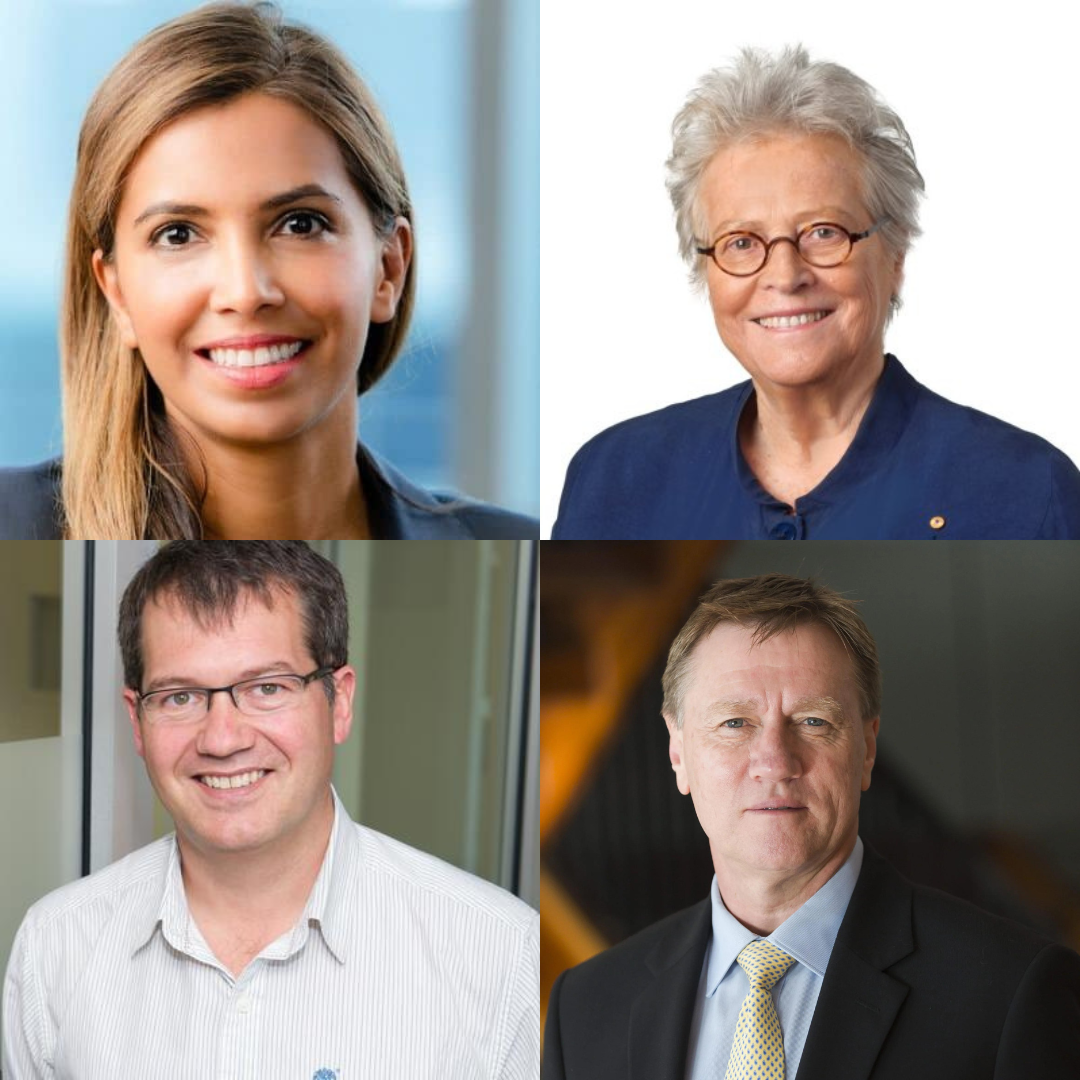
(247, 272)
(775, 186)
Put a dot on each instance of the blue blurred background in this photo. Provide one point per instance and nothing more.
(459, 82)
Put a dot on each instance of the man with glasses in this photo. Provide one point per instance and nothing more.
(271, 936)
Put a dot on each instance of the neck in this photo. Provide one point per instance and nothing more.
(305, 488)
(762, 899)
(792, 437)
(256, 894)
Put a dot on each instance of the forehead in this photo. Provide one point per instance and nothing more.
(240, 152)
(760, 179)
(809, 661)
(174, 634)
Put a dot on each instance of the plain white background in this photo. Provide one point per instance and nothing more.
(992, 293)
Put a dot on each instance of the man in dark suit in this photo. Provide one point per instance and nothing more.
(811, 956)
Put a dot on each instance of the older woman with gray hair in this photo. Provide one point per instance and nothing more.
(796, 198)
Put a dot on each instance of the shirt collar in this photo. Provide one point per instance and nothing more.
(325, 906)
(880, 429)
(808, 933)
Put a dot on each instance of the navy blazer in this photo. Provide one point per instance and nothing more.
(919, 467)
(919, 985)
(398, 509)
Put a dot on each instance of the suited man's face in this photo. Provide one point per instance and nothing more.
(773, 749)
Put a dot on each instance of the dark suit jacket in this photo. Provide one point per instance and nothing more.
(398, 508)
(920, 986)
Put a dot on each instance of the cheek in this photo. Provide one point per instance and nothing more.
(163, 303)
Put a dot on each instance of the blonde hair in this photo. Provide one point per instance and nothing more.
(124, 473)
(773, 604)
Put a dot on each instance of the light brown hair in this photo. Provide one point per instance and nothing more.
(124, 473)
(772, 604)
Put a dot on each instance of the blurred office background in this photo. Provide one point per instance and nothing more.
(459, 81)
(974, 790)
(443, 750)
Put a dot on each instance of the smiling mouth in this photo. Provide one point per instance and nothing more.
(264, 356)
(789, 322)
(221, 783)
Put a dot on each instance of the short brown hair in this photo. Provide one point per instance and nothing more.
(209, 579)
(772, 604)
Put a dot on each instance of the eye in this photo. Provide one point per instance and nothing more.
(304, 223)
(740, 243)
(268, 689)
(175, 234)
(815, 721)
(177, 700)
(733, 724)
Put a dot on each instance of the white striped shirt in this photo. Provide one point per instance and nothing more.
(401, 967)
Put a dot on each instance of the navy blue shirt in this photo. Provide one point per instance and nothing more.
(918, 467)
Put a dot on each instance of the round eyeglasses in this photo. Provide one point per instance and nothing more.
(253, 697)
(822, 244)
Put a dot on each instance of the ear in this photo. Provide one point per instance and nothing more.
(870, 730)
(393, 269)
(131, 702)
(109, 284)
(898, 274)
(344, 690)
(675, 754)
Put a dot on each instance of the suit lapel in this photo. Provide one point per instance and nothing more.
(859, 1001)
(661, 1015)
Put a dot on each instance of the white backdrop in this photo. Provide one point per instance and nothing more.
(991, 106)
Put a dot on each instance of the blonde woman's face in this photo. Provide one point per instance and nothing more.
(247, 272)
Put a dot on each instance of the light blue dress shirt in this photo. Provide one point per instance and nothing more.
(808, 934)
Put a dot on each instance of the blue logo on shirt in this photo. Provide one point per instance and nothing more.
(325, 1074)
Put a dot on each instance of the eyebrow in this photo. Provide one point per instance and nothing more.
(275, 202)
(180, 682)
(737, 706)
(822, 213)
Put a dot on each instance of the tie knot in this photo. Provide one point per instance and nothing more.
(764, 964)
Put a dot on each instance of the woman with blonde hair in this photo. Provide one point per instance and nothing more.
(240, 267)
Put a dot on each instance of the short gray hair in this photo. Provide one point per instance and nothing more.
(761, 94)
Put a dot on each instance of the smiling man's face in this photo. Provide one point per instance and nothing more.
(773, 749)
(288, 754)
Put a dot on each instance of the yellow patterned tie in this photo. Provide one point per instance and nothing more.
(757, 1052)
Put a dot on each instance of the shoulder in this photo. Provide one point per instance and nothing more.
(63, 931)
(446, 893)
(405, 510)
(117, 886)
(615, 484)
(30, 502)
(1004, 482)
(681, 423)
(625, 967)
(975, 437)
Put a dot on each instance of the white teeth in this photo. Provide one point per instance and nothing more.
(273, 354)
(782, 322)
(243, 780)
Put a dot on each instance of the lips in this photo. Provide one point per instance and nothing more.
(233, 782)
(262, 350)
(792, 320)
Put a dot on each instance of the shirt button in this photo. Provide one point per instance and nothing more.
(783, 530)
(937, 522)
(243, 1004)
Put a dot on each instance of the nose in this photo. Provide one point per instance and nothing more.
(245, 278)
(784, 267)
(224, 730)
(773, 755)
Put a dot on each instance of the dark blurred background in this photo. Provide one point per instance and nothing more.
(975, 788)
